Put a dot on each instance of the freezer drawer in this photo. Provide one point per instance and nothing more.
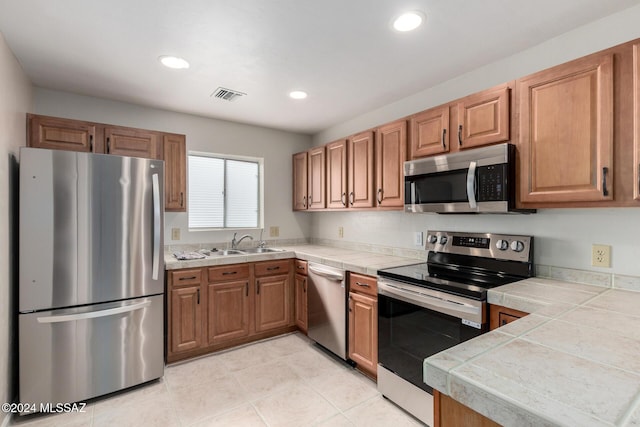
(71, 355)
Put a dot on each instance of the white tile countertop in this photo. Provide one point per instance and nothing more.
(346, 259)
(575, 361)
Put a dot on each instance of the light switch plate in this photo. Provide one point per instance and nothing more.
(274, 231)
(175, 234)
(601, 256)
(417, 238)
(341, 232)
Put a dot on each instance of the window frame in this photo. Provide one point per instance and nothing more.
(225, 157)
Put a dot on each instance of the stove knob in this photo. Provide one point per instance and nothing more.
(503, 245)
(432, 238)
(443, 240)
(517, 246)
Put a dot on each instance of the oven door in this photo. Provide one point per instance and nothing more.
(415, 323)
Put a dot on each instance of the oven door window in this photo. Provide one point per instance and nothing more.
(441, 187)
(408, 334)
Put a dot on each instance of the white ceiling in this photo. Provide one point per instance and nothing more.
(342, 52)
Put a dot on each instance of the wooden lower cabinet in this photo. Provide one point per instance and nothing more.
(273, 305)
(451, 413)
(228, 311)
(186, 319)
(363, 323)
(500, 316)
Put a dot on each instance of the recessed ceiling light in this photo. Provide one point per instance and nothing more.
(298, 94)
(408, 21)
(174, 62)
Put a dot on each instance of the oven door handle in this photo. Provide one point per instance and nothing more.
(471, 184)
(441, 305)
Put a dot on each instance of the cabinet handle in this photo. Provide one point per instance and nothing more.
(91, 143)
(246, 289)
(181, 199)
(342, 199)
(605, 171)
(304, 286)
(277, 267)
(503, 322)
(379, 198)
(258, 288)
(351, 195)
(108, 145)
(444, 134)
(460, 135)
(188, 278)
(364, 285)
(198, 296)
(227, 273)
(304, 202)
(301, 267)
(310, 199)
(638, 178)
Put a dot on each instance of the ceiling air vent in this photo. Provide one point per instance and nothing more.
(227, 94)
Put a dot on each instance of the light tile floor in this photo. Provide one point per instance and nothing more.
(284, 381)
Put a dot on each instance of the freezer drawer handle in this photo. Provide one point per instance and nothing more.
(156, 226)
(94, 314)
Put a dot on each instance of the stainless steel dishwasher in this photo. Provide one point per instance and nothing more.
(327, 308)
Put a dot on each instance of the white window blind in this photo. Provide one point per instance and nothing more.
(223, 192)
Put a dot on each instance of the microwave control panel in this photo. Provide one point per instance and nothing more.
(492, 183)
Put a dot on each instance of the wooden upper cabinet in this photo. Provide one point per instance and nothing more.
(361, 170)
(131, 142)
(484, 118)
(566, 132)
(62, 134)
(337, 174)
(175, 172)
(300, 181)
(390, 152)
(636, 121)
(429, 132)
(316, 179)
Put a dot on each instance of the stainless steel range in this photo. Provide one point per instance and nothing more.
(426, 308)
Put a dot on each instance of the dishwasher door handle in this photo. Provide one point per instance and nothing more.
(336, 277)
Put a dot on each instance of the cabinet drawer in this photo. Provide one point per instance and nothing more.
(268, 268)
(192, 276)
(301, 266)
(363, 284)
(228, 272)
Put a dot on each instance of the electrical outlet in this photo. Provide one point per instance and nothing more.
(341, 232)
(601, 256)
(417, 238)
(274, 231)
(175, 234)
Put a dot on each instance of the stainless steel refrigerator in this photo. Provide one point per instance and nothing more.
(91, 282)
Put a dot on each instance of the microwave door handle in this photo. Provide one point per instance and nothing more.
(471, 184)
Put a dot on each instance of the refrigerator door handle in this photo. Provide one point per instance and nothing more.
(156, 226)
(94, 314)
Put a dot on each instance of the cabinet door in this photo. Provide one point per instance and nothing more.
(228, 311)
(636, 121)
(273, 302)
(566, 132)
(483, 118)
(500, 316)
(123, 141)
(61, 134)
(186, 319)
(429, 132)
(315, 180)
(361, 184)
(300, 181)
(337, 175)
(175, 173)
(391, 142)
(301, 302)
(363, 331)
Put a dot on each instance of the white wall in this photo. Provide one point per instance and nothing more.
(203, 134)
(15, 102)
(563, 236)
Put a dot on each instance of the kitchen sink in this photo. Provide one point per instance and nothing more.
(227, 252)
(261, 250)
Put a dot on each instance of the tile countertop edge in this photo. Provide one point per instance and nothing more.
(346, 259)
(441, 370)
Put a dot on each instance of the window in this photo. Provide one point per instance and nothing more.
(224, 191)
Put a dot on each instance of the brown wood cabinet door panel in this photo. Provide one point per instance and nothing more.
(228, 272)
(300, 181)
(273, 302)
(361, 171)
(566, 132)
(363, 284)
(337, 174)
(61, 134)
(175, 172)
(500, 316)
(316, 179)
(430, 132)
(131, 142)
(184, 277)
(228, 311)
(186, 319)
(454, 414)
(391, 143)
(483, 118)
(300, 290)
(363, 331)
(270, 268)
(636, 121)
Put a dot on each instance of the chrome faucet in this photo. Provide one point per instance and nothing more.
(262, 243)
(235, 243)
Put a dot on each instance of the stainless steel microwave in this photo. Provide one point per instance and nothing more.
(481, 180)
